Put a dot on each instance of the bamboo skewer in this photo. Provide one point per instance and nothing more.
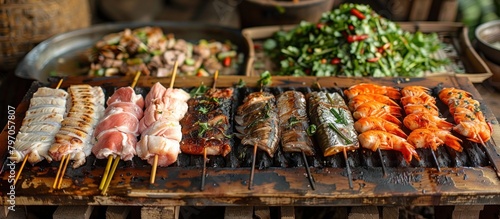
(204, 171)
(155, 161)
(252, 171)
(63, 172)
(435, 160)
(348, 169)
(308, 171)
(108, 179)
(384, 170)
(107, 173)
(60, 172)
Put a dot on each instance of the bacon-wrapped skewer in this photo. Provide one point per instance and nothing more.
(160, 128)
(117, 131)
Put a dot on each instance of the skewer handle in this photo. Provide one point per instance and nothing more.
(252, 171)
(348, 169)
(308, 171)
(153, 170)
(384, 170)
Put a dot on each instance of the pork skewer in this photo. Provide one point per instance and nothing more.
(43, 120)
(160, 128)
(73, 140)
(294, 123)
(116, 134)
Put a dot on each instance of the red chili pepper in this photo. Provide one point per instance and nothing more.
(375, 59)
(227, 61)
(353, 38)
(320, 25)
(335, 61)
(384, 47)
(357, 13)
(351, 27)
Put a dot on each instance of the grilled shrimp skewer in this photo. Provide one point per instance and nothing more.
(467, 114)
(374, 139)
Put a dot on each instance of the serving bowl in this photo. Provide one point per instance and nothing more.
(488, 40)
(67, 53)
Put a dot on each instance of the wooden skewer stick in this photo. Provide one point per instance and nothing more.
(63, 172)
(348, 169)
(21, 169)
(153, 170)
(308, 171)
(26, 156)
(382, 162)
(59, 170)
(204, 171)
(252, 171)
(435, 160)
(106, 172)
(113, 169)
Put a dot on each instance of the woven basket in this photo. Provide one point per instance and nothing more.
(25, 23)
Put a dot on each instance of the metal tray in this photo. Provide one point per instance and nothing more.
(66, 52)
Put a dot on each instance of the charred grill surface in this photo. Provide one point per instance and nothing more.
(473, 154)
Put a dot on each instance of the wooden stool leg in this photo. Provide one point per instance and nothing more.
(238, 212)
(366, 212)
(287, 212)
(467, 211)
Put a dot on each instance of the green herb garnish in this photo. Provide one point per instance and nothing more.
(311, 130)
(199, 91)
(204, 127)
(339, 116)
(292, 121)
(203, 110)
(241, 83)
(265, 79)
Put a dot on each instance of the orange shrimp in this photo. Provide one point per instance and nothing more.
(467, 103)
(421, 108)
(356, 101)
(364, 88)
(421, 99)
(376, 123)
(448, 94)
(433, 138)
(374, 139)
(463, 114)
(479, 132)
(374, 108)
(415, 91)
(423, 120)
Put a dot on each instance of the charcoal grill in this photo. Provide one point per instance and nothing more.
(468, 177)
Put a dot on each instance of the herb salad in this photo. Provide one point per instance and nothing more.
(354, 40)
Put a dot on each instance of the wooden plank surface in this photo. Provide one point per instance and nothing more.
(178, 186)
